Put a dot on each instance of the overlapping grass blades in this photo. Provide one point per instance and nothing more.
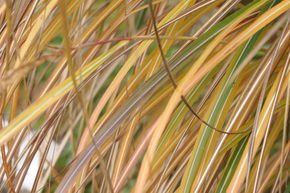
(88, 78)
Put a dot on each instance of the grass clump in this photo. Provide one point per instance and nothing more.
(144, 96)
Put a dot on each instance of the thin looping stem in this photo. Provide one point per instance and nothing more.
(174, 83)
